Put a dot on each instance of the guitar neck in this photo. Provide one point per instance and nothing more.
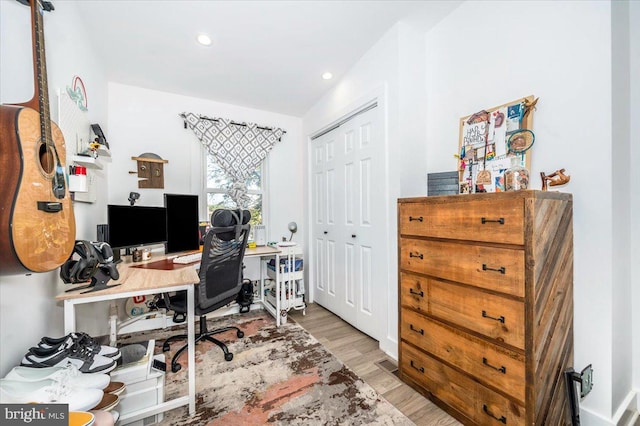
(40, 68)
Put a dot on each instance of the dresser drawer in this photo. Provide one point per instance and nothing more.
(473, 400)
(494, 365)
(500, 221)
(493, 316)
(497, 269)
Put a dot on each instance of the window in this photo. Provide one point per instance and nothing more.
(218, 183)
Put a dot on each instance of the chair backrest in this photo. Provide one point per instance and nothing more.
(222, 255)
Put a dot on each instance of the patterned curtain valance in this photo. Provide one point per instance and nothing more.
(238, 148)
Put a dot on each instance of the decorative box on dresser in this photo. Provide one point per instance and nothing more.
(486, 304)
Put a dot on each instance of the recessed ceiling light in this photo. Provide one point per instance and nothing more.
(204, 39)
(327, 76)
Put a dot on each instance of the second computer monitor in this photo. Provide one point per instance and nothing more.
(182, 223)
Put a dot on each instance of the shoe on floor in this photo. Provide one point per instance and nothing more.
(84, 359)
(107, 403)
(115, 388)
(105, 418)
(81, 418)
(82, 339)
(48, 391)
(68, 375)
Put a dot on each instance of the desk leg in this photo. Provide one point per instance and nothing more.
(69, 316)
(262, 300)
(191, 349)
(278, 307)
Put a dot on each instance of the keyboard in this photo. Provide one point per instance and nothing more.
(188, 258)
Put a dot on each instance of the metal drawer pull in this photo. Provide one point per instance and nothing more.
(411, 218)
(421, 369)
(418, 293)
(501, 419)
(416, 255)
(500, 318)
(421, 331)
(500, 221)
(501, 269)
(502, 369)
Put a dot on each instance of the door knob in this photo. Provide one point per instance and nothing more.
(326, 232)
(353, 235)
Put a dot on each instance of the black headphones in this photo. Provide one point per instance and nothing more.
(81, 270)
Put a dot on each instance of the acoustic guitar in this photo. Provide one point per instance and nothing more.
(37, 225)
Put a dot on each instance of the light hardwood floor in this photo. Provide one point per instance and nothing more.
(360, 353)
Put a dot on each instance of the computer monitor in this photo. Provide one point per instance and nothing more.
(134, 226)
(183, 233)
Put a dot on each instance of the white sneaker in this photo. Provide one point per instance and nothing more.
(83, 358)
(69, 375)
(48, 391)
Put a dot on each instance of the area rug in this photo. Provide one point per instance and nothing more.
(279, 375)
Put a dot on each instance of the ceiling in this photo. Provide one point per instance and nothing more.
(268, 55)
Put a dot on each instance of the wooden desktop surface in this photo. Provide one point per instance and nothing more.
(155, 273)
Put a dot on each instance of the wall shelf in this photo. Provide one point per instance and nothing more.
(88, 162)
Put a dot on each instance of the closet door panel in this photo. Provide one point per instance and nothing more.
(354, 219)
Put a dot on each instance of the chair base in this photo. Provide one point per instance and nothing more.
(204, 334)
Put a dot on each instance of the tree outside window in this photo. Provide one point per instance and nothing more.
(218, 183)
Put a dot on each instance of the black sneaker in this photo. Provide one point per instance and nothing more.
(81, 339)
(84, 359)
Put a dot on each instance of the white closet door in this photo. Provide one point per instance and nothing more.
(349, 182)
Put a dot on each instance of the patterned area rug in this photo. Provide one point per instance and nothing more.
(277, 376)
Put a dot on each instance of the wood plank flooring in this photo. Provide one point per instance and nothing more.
(360, 353)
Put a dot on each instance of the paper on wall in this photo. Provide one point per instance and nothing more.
(500, 131)
(474, 135)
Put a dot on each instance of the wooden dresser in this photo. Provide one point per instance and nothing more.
(486, 304)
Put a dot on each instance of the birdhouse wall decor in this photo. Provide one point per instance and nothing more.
(150, 170)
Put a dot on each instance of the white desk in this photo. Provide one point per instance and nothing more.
(138, 281)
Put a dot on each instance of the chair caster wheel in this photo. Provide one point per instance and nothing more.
(175, 368)
(228, 356)
(166, 347)
(240, 334)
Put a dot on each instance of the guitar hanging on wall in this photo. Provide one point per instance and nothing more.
(37, 225)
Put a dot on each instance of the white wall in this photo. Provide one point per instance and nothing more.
(634, 194)
(68, 54)
(488, 53)
(142, 120)
(621, 188)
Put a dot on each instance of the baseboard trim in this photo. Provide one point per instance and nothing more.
(620, 418)
(627, 413)
(590, 418)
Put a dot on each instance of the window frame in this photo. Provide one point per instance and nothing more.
(206, 190)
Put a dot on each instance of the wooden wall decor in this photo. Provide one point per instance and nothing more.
(150, 170)
(483, 147)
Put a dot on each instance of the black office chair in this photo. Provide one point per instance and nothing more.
(220, 277)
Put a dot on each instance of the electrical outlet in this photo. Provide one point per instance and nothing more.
(586, 381)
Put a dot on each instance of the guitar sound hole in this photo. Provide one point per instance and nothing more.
(46, 158)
